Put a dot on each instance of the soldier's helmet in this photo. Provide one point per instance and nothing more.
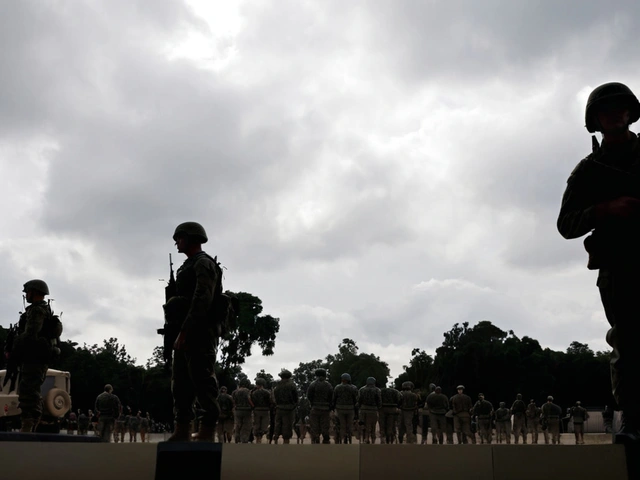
(407, 385)
(481, 395)
(502, 404)
(223, 389)
(460, 387)
(519, 396)
(320, 372)
(532, 401)
(37, 285)
(432, 387)
(550, 398)
(345, 376)
(610, 94)
(245, 382)
(285, 374)
(191, 229)
(578, 403)
(261, 382)
(438, 390)
(371, 381)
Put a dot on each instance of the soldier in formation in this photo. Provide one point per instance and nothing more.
(533, 421)
(345, 401)
(518, 410)
(120, 428)
(408, 407)
(242, 413)
(462, 407)
(83, 423)
(320, 395)
(438, 405)
(225, 419)
(503, 423)
(579, 415)
(134, 427)
(551, 421)
(262, 400)
(144, 427)
(483, 411)
(370, 402)
(388, 420)
(286, 399)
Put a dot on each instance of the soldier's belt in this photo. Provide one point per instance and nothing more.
(262, 409)
(286, 407)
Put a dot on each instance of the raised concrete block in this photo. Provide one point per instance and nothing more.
(430, 461)
(583, 462)
(277, 462)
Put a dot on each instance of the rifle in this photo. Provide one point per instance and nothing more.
(12, 362)
(169, 331)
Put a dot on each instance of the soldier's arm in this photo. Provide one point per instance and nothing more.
(206, 278)
(379, 399)
(35, 320)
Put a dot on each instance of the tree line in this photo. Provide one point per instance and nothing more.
(484, 358)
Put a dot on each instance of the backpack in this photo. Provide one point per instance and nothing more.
(226, 307)
(52, 326)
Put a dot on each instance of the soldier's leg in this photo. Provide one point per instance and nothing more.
(31, 378)
(408, 425)
(457, 427)
(183, 392)
(288, 417)
(277, 431)
(257, 431)
(382, 425)
(325, 426)
(245, 433)
(202, 360)
(371, 420)
(314, 423)
(345, 426)
(237, 425)
(466, 429)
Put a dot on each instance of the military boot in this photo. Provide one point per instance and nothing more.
(27, 425)
(205, 434)
(181, 433)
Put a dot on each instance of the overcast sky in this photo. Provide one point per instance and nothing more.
(377, 170)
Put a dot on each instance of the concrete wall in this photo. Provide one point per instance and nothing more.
(79, 461)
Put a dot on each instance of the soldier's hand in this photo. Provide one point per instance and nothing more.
(622, 207)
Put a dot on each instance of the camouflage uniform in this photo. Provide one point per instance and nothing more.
(303, 411)
(118, 433)
(551, 421)
(83, 424)
(461, 406)
(345, 399)
(243, 404)
(483, 410)
(134, 427)
(108, 406)
(533, 421)
(503, 423)
(518, 409)
(579, 415)
(370, 403)
(261, 399)
(599, 198)
(198, 283)
(225, 420)
(408, 406)
(33, 352)
(144, 428)
(389, 413)
(320, 394)
(286, 400)
(438, 405)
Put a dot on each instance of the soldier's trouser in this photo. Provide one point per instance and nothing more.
(243, 425)
(345, 418)
(193, 377)
(407, 423)
(619, 295)
(448, 431)
(224, 429)
(533, 427)
(462, 426)
(438, 425)
(32, 376)
(388, 420)
(503, 431)
(319, 423)
(261, 417)
(553, 431)
(284, 423)
(424, 426)
(105, 428)
(519, 427)
(143, 435)
(370, 419)
(302, 429)
(484, 426)
(578, 430)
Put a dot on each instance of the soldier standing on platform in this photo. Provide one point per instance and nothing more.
(320, 395)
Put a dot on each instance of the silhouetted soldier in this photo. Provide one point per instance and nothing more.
(370, 402)
(462, 407)
(503, 423)
(320, 395)
(579, 415)
(533, 421)
(518, 409)
(551, 421)
(389, 412)
(345, 400)
(261, 398)
(408, 407)
(438, 404)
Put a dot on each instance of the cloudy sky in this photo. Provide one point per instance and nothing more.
(378, 170)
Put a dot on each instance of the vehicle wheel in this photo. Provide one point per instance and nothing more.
(57, 402)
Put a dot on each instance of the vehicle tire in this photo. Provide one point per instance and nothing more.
(57, 402)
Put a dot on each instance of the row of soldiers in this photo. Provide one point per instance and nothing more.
(125, 423)
(367, 412)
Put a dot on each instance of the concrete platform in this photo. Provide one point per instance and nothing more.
(79, 461)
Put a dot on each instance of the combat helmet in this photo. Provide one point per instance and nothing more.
(37, 285)
(191, 229)
(612, 92)
(321, 372)
(371, 381)
(345, 376)
(285, 374)
(261, 382)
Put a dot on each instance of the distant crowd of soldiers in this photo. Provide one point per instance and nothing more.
(125, 423)
(253, 413)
